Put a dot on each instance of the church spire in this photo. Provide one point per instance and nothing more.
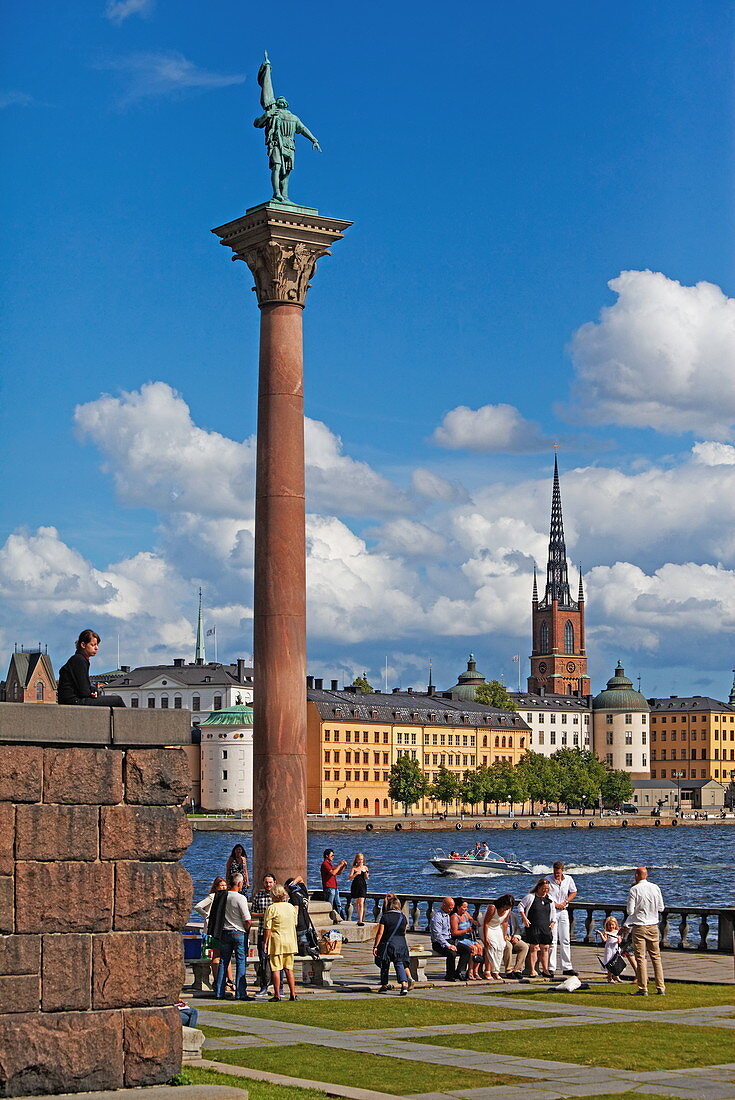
(732, 693)
(534, 597)
(580, 594)
(199, 654)
(557, 579)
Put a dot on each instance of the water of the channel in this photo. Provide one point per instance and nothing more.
(692, 865)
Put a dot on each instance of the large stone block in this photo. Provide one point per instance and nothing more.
(152, 896)
(151, 1045)
(7, 904)
(66, 973)
(143, 832)
(47, 1053)
(156, 777)
(64, 897)
(7, 834)
(136, 968)
(57, 832)
(20, 954)
(46, 725)
(82, 776)
(151, 727)
(19, 993)
(21, 768)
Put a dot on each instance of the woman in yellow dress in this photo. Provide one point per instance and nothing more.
(280, 940)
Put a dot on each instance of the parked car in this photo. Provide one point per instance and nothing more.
(628, 808)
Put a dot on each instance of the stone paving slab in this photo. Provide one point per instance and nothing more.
(158, 1092)
(299, 1082)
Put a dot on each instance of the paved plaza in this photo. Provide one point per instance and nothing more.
(356, 977)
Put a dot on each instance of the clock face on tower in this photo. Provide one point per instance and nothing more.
(570, 666)
(542, 666)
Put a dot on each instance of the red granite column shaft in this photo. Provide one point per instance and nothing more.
(279, 629)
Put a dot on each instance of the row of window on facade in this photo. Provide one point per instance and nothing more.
(684, 755)
(334, 757)
(544, 641)
(610, 738)
(628, 760)
(628, 719)
(552, 718)
(692, 774)
(552, 739)
(350, 805)
(673, 718)
(196, 703)
(350, 776)
(660, 735)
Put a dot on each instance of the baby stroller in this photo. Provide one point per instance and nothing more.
(306, 937)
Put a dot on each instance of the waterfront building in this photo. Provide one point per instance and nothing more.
(559, 656)
(355, 738)
(226, 753)
(199, 687)
(555, 721)
(686, 795)
(621, 727)
(30, 677)
(692, 737)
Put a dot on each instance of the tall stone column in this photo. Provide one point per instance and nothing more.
(281, 246)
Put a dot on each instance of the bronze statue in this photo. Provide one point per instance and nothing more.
(281, 127)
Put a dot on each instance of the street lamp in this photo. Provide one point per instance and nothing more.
(678, 776)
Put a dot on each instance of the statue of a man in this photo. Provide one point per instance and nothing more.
(281, 127)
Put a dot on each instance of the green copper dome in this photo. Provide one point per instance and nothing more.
(239, 715)
(620, 694)
(468, 681)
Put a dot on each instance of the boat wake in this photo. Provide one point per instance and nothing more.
(582, 869)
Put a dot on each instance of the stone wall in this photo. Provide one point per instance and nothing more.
(92, 897)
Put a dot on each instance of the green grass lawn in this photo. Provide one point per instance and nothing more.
(618, 996)
(365, 1013)
(368, 1071)
(636, 1046)
(258, 1090)
(218, 1032)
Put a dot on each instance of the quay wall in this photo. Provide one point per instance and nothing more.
(232, 824)
(92, 897)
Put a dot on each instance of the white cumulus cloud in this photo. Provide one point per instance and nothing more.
(662, 357)
(164, 73)
(491, 429)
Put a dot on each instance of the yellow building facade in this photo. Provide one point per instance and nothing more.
(354, 739)
(692, 738)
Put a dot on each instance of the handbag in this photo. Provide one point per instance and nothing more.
(615, 966)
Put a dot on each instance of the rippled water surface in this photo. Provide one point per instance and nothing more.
(693, 866)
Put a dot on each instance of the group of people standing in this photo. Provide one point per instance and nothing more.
(228, 918)
(497, 947)
(358, 876)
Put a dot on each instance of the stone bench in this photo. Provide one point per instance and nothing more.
(417, 961)
(317, 972)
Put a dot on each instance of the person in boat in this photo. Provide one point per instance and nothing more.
(454, 855)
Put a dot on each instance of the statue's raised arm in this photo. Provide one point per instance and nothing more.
(281, 127)
(267, 98)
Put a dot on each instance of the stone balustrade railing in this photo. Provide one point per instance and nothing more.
(683, 927)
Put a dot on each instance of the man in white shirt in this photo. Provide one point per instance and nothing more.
(562, 890)
(645, 904)
(234, 940)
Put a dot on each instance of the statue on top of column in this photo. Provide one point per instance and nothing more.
(281, 127)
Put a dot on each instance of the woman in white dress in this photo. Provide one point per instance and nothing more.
(495, 931)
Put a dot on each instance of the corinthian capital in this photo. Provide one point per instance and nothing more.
(282, 271)
(281, 246)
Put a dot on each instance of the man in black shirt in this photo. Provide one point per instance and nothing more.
(74, 685)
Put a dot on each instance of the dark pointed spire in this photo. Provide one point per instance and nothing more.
(732, 693)
(557, 579)
(535, 585)
(580, 594)
(431, 686)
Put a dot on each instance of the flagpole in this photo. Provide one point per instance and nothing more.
(214, 629)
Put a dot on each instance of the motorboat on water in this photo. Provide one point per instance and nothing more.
(479, 860)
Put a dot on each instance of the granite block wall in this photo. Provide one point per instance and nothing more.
(92, 901)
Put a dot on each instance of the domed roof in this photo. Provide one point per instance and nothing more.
(620, 694)
(468, 681)
(239, 715)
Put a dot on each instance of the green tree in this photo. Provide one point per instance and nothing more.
(407, 784)
(541, 778)
(581, 775)
(472, 787)
(617, 787)
(445, 788)
(494, 694)
(362, 684)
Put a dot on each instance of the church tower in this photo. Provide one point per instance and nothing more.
(558, 658)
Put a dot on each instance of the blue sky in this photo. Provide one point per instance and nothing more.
(501, 168)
